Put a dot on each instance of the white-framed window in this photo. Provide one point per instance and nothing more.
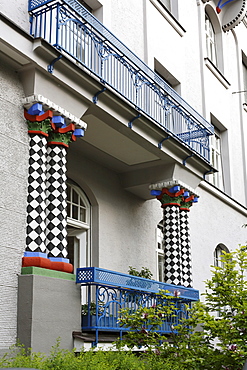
(78, 226)
(171, 6)
(216, 178)
(218, 252)
(166, 4)
(210, 40)
(160, 255)
(244, 64)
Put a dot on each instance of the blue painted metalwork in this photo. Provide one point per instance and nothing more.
(50, 67)
(185, 160)
(131, 122)
(68, 26)
(95, 97)
(112, 291)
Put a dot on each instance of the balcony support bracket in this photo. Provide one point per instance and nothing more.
(50, 67)
(95, 97)
(160, 143)
(189, 156)
(212, 170)
(130, 123)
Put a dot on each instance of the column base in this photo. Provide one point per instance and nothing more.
(47, 264)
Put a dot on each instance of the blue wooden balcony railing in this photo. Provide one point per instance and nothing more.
(108, 292)
(69, 27)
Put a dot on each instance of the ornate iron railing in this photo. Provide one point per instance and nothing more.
(108, 292)
(68, 26)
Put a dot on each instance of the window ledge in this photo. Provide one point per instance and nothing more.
(217, 73)
(169, 17)
(224, 197)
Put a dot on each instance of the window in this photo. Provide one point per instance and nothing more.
(244, 63)
(160, 252)
(166, 3)
(86, 5)
(78, 226)
(218, 252)
(210, 40)
(216, 159)
(171, 6)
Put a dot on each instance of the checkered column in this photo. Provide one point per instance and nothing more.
(58, 142)
(56, 202)
(36, 214)
(39, 125)
(185, 248)
(176, 201)
(172, 263)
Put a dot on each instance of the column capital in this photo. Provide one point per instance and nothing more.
(48, 119)
(174, 192)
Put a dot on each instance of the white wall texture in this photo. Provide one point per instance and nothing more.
(13, 184)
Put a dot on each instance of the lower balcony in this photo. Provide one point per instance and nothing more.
(108, 292)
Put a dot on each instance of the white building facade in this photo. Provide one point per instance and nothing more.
(106, 106)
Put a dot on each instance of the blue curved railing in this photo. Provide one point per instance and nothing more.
(68, 26)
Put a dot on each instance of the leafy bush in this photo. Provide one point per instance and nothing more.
(214, 336)
(144, 273)
(91, 360)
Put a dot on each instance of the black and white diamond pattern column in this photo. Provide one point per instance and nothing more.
(56, 202)
(36, 209)
(185, 249)
(172, 263)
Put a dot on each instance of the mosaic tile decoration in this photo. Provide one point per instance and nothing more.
(36, 209)
(185, 249)
(172, 264)
(56, 202)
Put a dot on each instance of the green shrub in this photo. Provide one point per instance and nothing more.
(60, 359)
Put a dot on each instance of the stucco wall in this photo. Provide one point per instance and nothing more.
(13, 184)
(213, 221)
(17, 11)
(126, 224)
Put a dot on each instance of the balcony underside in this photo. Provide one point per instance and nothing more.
(81, 38)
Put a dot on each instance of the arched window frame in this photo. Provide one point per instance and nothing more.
(218, 252)
(82, 204)
(213, 38)
(160, 254)
(79, 231)
(210, 40)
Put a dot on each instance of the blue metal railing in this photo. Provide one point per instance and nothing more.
(108, 292)
(101, 276)
(68, 26)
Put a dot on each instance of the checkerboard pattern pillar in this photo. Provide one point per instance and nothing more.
(39, 126)
(36, 209)
(56, 202)
(176, 201)
(46, 210)
(172, 264)
(185, 248)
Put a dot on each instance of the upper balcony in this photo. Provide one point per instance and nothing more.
(109, 291)
(75, 32)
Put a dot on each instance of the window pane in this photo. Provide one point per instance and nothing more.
(68, 210)
(82, 214)
(161, 267)
(75, 197)
(166, 3)
(74, 212)
(68, 192)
